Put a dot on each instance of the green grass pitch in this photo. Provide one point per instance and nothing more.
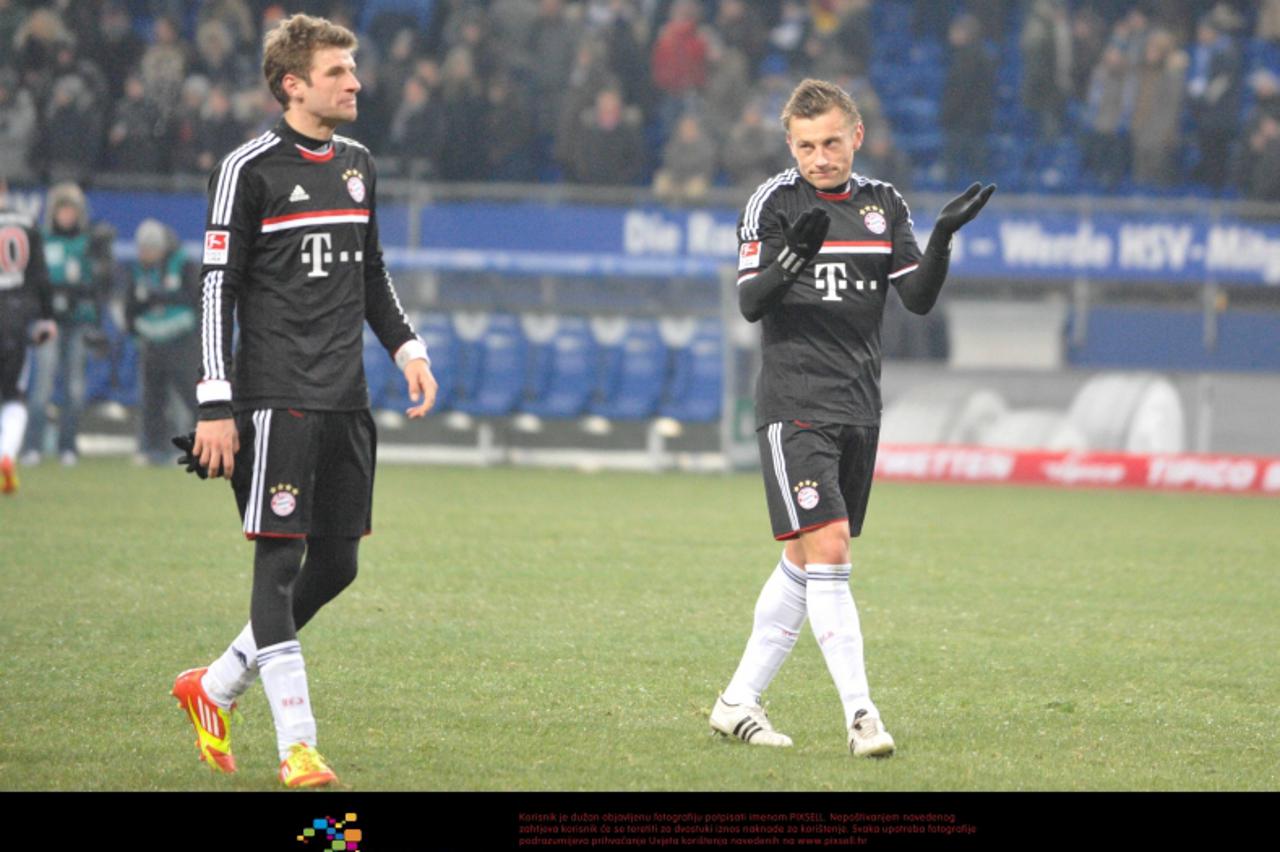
(532, 630)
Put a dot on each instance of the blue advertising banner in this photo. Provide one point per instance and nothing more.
(536, 238)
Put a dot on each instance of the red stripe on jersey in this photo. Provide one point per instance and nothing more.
(858, 244)
(314, 157)
(835, 196)
(314, 214)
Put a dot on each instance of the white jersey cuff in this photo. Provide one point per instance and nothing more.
(410, 351)
(214, 390)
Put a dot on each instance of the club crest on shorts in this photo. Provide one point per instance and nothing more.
(355, 184)
(806, 493)
(284, 499)
(873, 218)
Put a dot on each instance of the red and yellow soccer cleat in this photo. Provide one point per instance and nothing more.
(304, 767)
(8, 475)
(212, 723)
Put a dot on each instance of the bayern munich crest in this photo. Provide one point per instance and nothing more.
(355, 185)
(873, 218)
(284, 499)
(806, 494)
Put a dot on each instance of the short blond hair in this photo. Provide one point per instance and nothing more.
(289, 47)
(812, 98)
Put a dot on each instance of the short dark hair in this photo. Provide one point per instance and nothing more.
(812, 98)
(289, 47)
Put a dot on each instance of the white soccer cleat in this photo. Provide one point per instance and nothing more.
(868, 738)
(746, 722)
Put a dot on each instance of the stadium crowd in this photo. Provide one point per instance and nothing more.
(1178, 96)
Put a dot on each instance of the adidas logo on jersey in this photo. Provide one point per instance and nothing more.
(299, 194)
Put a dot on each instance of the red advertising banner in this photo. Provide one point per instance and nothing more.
(1182, 472)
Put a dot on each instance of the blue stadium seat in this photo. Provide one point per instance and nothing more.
(632, 368)
(561, 367)
(491, 370)
(693, 392)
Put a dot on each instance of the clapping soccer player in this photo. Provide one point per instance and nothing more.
(819, 247)
(292, 254)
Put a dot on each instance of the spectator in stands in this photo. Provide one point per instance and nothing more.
(161, 313)
(12, 14)
(679, 61)
(1045, 44)
(1214, 86)
(462, 110)
(1112, 91)
(743, 28)
(968, 100)
(608, 145)
(625, 53)
(164, 64)
(508, 132)
(1263, 158)
(1088, 40)
(218, 60)
(137, 141)
(35, 44)
(237, 17)
(554, 44)
(789, 36)
(218, 130)
(1130, 35)
(728, 88)
(185, 128)
(70, 145)
(1269, 21)
(755, 149)
(1257, 153)
(851, 39)
(17, 129)
(1157, 111)
(590, 76)
(79, 261)
(688, 163)
(416, 129)
(117, 49)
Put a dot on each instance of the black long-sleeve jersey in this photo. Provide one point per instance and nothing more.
(25, 291)
(821, 338)
(291, 251)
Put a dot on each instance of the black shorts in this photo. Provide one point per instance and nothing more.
(816, 473)
(301, 473)
(15, 367)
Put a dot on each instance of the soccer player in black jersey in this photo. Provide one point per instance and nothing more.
(25, 295)
(819, 247)
(291, 254)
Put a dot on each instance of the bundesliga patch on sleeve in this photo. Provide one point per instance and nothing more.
(749, 256)
(215, 247)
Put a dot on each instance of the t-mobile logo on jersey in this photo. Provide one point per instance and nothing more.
(316, 252)
(830, 278)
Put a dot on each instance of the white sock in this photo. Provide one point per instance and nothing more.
(284, 677)
(13, 425)
(834, 619)
(231, 675)
(780, 611)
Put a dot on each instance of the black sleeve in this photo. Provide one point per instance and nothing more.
(762, 282)
(919, 288)
(382, 308)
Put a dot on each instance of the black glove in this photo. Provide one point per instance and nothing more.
(960, 210)
(804, 239)
(187, 443)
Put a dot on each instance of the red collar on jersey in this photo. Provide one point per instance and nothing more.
(842, 195)
(323, 155)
